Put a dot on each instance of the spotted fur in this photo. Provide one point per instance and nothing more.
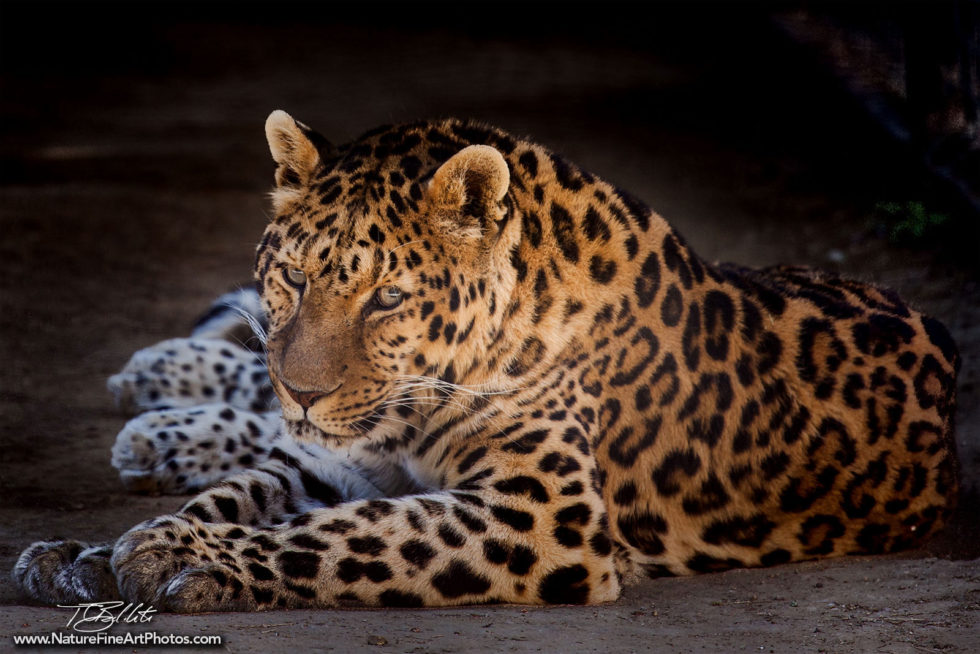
(504, 379)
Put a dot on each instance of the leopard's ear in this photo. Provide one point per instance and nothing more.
(295, 147)
(470, 186)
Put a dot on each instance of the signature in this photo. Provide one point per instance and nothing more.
(94, 617)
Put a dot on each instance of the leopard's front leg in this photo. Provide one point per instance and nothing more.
(295, 479)
(508, 536)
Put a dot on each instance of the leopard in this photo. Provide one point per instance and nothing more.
(498, 378)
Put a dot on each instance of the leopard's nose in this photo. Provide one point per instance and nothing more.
(306, 399)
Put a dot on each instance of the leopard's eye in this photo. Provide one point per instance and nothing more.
(294, 277)
(388, 297)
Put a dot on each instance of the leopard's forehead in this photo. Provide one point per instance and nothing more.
(362, 203)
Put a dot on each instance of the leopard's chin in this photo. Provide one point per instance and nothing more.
(306, 429)
(303, 430)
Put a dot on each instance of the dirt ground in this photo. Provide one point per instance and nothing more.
(132, 188)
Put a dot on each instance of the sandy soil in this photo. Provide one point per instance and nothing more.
(133, 192)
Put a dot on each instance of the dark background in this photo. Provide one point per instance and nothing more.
(133, 168)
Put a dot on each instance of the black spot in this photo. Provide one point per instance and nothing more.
(600, 543)
(709, 497)
(337, 526)
(526, 443)
(924, 435)
(303, 591)
(471, 522)
(625, 450)
(531, 353)
(933, 385)
(435, 328)
(318, 490)
(564, 231)
(376, 234)
(520, 560)
(566, 585)
(774, 465)
(375, 509)
(559, 463)
(632, 246)
(568, 537)
(458, 580)
(672, 307)
(530, 162)
(939, 336)
(572, 307)
(642, 530)
(798, 494)
(261, 572)
(532, 228)
(602, 270)
(689, 339)
(820, 355)
(642, 398)
(674, 261)
(566, 174)
(266, 543)
(701, 562)
(417, 553)
(676, 463)
(637, 210)
(350, 570)
(307, 541)
(647, 282)
(228, 508)
(449, 332)
(652, 346)
(749, 532)
(626, 494)
(513, 518)
(303, 565)
(495, 551)
(719, 318)
(450, 536)
(881, 334)
(199, 511)
(370, 545)
(471, 458)
(595, 227)
(523, 485)
(262, 596)
(397, 599)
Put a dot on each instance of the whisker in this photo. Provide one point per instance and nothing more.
(461, 388)
(398, 247)
(258, 331)
(437, 403)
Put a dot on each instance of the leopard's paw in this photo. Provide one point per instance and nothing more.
(185, 372)
(66, 572)
(172, 564)
(186, 450)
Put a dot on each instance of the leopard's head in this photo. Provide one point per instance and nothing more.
(384, 269)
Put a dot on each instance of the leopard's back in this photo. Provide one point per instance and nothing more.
(792, 414)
